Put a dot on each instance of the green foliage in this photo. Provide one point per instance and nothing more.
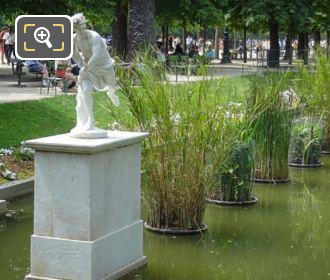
(313, 86)
(99, 13)
(191, 137)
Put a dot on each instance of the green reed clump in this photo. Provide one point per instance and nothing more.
(313, 87)
(190, 137)
(235, 180)
(305, 146)
(270, 115)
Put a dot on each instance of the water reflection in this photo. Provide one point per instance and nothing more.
(285, 236)
(15, 241)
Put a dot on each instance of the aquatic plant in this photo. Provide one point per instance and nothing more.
(270, 116)
(191, 136)
(235, 179)
(313, 86)
(305, 146)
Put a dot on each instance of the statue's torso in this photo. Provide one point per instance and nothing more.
(85, 45)
(90, 43)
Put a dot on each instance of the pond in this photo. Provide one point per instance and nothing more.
(285, 236)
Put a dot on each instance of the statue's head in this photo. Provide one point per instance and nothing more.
(79, 21)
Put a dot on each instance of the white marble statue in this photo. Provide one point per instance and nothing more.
(97, 71)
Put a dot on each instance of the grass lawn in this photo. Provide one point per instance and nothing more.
(33, 119)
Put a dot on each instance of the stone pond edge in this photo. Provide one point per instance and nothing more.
(17, 188)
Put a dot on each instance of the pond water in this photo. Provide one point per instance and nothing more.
(285, 236)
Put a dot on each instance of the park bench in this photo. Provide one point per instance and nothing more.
(53, 81)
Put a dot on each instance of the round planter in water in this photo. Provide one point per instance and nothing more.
(268, 181)
(175, 231)
(252, 200)
(314, 165)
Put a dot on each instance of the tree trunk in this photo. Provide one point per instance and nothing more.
(170, 43)
(251, 46)
(119, 31)
(274, 48)
(244, 45)
(163, 33)
(216, 43)
(288, 45)
(317, 38)
(204, 40)
(303, 47)
(184, 38)
(328, 43)
(166, 39)
(141, 24)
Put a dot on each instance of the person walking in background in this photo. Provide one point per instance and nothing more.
(8, 37)
(178, 50)
(2, 44)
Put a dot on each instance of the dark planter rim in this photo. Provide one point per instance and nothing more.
(175, 231)
(313, 165)
(269, 181)
(253, 200)
(325, 152)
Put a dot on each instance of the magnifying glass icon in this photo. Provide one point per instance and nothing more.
(41, 35)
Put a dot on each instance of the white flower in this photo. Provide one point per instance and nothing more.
(176, 118)
(6, 151)
(7, 174)
(289, 95)
(115, 126)
(235, 104)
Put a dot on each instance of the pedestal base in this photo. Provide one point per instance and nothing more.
(95, 133)
(108, 257)
(114, 276)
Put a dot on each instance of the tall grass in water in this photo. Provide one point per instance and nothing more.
(270, 115)
(190, 136)
(313, 86)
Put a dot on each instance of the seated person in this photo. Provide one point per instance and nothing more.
(210, 52)
(193, 51)
(70, 79)
(65, 72)
(36, 66)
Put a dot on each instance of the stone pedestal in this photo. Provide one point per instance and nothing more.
(87, 207)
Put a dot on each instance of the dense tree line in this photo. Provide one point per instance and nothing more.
(133, 22)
